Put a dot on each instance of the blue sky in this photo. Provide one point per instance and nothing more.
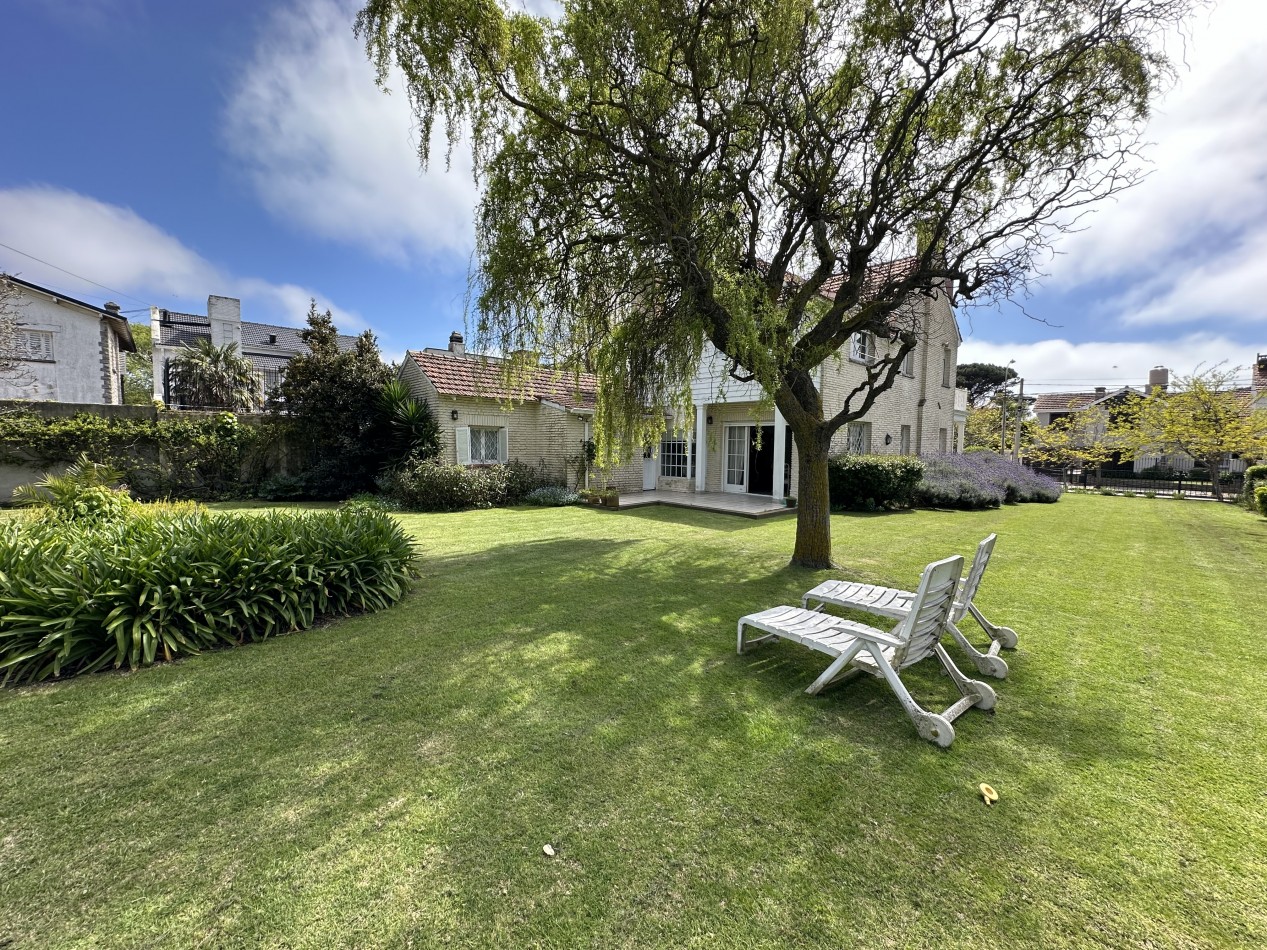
(169, 151)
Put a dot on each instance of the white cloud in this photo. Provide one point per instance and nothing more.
(1060, 365)
(1183, 237)
(326, 149)
(116, 247)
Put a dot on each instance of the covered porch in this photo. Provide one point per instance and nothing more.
(730, 503)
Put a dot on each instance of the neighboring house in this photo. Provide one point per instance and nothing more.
(544, 421)
(69, 350)
(1052, 406)
(745, 448)
(267, 346)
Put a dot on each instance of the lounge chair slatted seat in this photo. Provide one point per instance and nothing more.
(858, 648)
(887, 602)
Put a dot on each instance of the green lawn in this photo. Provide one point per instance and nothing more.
(569, 676)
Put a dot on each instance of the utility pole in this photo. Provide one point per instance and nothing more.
(1020, 411)
(1003, 422)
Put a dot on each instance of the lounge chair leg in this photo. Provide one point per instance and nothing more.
(982, 692)
(929, 726)
(1005, 636)
(834, 672)
(988, 663)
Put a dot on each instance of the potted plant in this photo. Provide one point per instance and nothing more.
(610, 498)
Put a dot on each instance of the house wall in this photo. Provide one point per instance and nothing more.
(87, 364)
(919, 401)
(538, 434)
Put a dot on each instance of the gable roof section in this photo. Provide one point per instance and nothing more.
(1072, 402)
(116, 322)
(466, 374)
(176, 329)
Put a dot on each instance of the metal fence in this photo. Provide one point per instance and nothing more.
(1184, 483)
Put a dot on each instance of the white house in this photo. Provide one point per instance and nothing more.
(68, 350)
(730, 444)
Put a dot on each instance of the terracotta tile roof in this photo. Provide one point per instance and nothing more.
(1064, 402)
(469, 374)
(877, 276)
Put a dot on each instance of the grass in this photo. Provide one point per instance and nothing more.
(568, 676)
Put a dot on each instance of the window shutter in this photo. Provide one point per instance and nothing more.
(502, 445)
(464, 445)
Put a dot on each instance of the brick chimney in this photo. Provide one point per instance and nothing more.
(1158, 378)
(456, 343)
(1101, 392)
(112, 307)
(1260, 375)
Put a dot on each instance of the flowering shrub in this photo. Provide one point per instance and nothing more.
(552, 496)
(981, 480)
(873, 481)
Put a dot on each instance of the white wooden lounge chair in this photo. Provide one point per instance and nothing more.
(858, 648)
(888, 602)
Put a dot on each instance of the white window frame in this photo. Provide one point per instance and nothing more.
(675, 458)
(33, 346)
(474, 443)
(945, 366)
(858, 438)
(904, 440)
(862, 347)
(908, 365)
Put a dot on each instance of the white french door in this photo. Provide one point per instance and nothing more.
(736, 468)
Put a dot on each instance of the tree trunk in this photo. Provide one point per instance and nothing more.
(813, 503)
(1212, 465)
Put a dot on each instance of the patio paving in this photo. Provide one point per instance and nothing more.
(750, 506)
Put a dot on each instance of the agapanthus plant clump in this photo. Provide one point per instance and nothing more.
(85, 594)
(974, 480)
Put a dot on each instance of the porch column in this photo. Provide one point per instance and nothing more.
(780, 449)
(701, 446)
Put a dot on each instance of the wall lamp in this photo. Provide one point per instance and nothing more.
(888, 439)
(454, 415)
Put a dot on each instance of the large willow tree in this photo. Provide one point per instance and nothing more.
(661, 175)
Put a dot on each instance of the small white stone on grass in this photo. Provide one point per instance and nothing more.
(548, 849)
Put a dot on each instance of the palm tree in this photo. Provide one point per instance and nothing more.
(206, 376)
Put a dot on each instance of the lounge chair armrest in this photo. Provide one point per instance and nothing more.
(875, 636)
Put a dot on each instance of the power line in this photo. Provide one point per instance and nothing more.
(79, 277)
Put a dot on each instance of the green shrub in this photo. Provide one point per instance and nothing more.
(81, 596)
(368, 502)
(1107, 491)
(175, 456)
(873, 481)
(281, 488)
(1255, 475)
(1150, 494)
(1260, 495)
(85, 491)
(522, 479)
(434, 486)
(430, 485)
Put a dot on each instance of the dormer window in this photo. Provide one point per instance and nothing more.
(272, 339)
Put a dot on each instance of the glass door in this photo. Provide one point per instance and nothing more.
(736, 479)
